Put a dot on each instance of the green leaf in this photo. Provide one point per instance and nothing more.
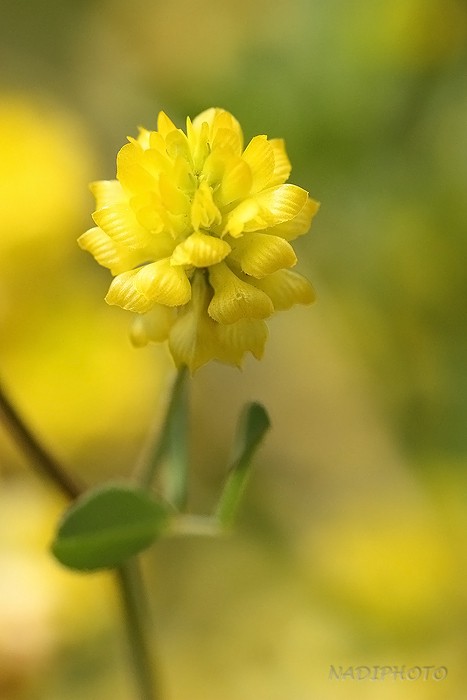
(107, 525)
(252, 426)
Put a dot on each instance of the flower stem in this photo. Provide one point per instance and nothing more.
(171, 442)
(33, 448)
(128, 575)
(136, 615)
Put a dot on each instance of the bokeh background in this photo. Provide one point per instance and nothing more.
(351, 546)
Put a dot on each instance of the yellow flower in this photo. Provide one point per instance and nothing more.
(196, 231)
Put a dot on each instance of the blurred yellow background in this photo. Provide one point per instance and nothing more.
(351, 547)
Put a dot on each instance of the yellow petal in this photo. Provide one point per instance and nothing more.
(214, 168)
(281, 203)
(144, 137)
(236, 181)
(240, 217)
(286, 288)
(179, 226)
(225, 120)
(192, 339)
(108, 253)
(153, 326)
(161, 246)
(200, 250)
(189, 342)
(217, 118)
(204, 212)
(235, 339)
(131, 174)
(164, 124)
(171, 196)
(198, 137)
(157, 142)
(156, 162)
(227, 139)
(149, 212)
(163, 283)
(208, 117)
(259, 155)
(120, 223)
(122, 292)
(234, 299)
(177, 145)
(156, 218)
(195, 338)
(300, 223)
(268, 208)
(183, 177)
(282, 166)
(260, 254)
(107, 192)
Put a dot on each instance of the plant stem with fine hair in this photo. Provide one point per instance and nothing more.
(128, 575)
(136, 615)
(31, 446)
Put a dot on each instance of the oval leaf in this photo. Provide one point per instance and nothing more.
(107, 525)
(252, 426)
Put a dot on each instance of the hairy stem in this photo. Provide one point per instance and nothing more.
(136, 616)
(128, 575)
(171, 443)
(34, 450)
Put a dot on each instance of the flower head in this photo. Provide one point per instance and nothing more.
(196, 230)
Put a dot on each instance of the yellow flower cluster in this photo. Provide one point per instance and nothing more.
(196, 231)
